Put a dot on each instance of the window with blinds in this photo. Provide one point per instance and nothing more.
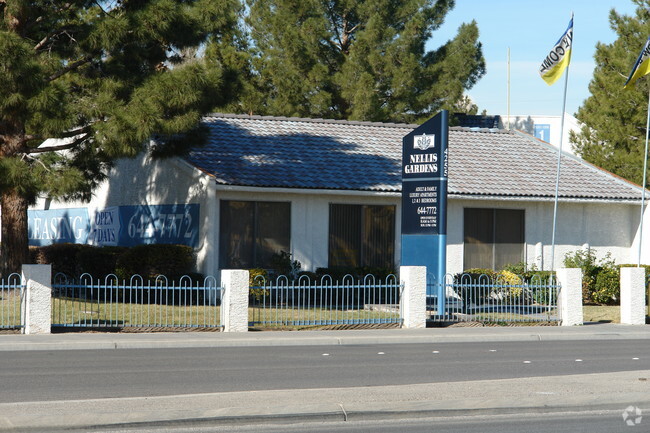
(251, 232)
(361, 236)
(493, 238)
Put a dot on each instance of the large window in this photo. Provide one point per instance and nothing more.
(493, 238)
(361, 235)
(251, 232)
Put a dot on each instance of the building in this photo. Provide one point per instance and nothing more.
(328, 192)
(546, 128)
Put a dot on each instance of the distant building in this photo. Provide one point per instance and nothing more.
(546, 128)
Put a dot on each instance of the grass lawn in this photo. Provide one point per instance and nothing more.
(71, 312)
(602, 313)
(281, 317)
(9, 309)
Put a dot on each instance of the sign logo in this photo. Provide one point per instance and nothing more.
(632, 416)
(424, 141)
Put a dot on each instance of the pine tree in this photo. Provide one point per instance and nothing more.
(102, 77)
(354, 59)
(614, 119)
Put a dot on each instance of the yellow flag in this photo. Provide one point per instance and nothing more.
(558, 58)
(641, 67)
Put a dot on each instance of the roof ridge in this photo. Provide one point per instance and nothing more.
(312, 120)
(479, 129)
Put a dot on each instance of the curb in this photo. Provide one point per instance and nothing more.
(329, 412)
(101, 341)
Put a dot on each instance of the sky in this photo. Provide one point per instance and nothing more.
(530, 29)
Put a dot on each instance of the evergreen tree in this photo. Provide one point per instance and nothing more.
(614, 119)
(354, 59)
(102, 77)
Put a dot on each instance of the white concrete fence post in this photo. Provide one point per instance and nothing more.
(413, 302)
(37, 308)
(234, 300)
(569, 300)
(633, 296)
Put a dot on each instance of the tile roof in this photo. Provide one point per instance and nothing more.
(342, 155)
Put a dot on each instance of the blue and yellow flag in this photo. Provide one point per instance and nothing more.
(558, 58)
(641, 67)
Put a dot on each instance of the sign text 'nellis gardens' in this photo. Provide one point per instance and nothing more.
(424, 201)
(424, 189)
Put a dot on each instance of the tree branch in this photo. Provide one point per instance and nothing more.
(72, 66)
(67, 146)
(74, 132)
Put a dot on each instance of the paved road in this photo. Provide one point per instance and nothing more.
(72, 375)
(201, 380)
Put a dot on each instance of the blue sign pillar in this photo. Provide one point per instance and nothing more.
(424, 201)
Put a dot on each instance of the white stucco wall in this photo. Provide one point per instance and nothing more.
(604, 227)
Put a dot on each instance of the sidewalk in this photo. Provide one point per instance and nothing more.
(93, 341)
(558, 394)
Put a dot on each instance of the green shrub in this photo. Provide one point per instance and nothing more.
(476, 273)
(520, 269)
(600, 279)
(256, 279)
(62, 257)
(359, 273)
(73, 260)
(283, 264)
(149, 261)
(607, 289)
(98, 261)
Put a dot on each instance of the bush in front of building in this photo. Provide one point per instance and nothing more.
(358, 273)
(150, 261)
(76, 259)
(600, 278)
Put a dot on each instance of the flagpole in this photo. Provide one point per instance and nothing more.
(508, 90)
(645, 168)
(557, 176)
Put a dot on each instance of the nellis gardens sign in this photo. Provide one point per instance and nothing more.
(424, 201)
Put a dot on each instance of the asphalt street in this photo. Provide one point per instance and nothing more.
(364, 380)
(92, 374)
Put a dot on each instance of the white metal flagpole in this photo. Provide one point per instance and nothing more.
(645, 169)
(557, 176)
(508, 90)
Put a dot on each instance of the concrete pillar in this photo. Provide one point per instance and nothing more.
(37, 310)
(569, 300)
(413, 302)
(234, 300)
(633, 296)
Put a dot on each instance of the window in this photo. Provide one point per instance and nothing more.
(361, 236)
(493, 238)
(251, 232)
